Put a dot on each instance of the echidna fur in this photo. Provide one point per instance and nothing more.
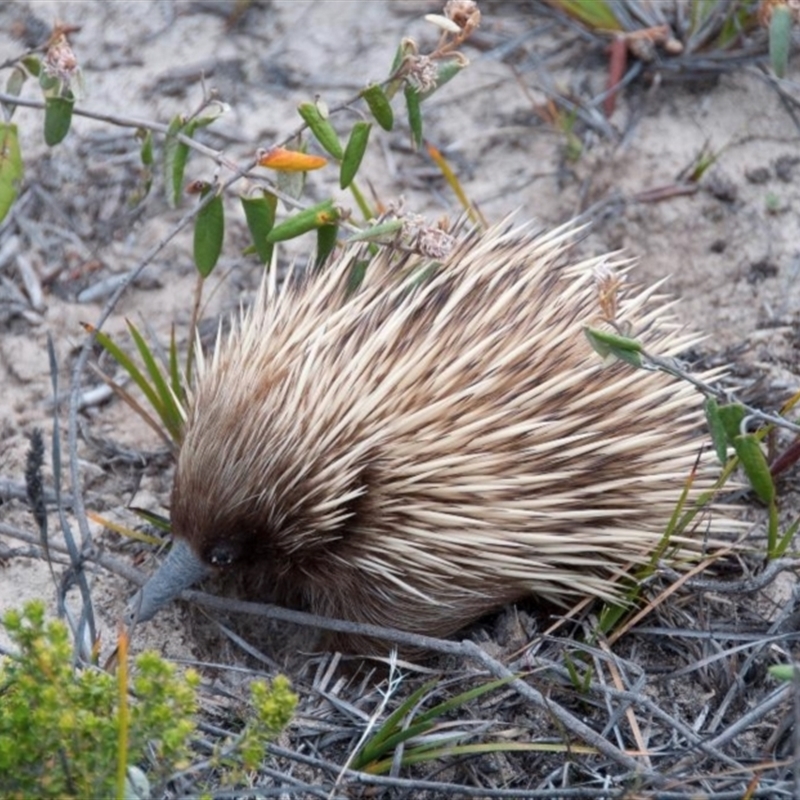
(437, 443)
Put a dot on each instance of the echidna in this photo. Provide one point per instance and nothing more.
(435, 443)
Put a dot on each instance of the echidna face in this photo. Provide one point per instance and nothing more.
(263, 525)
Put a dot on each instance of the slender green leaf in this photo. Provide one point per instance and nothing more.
(175, 378)
(354, 153)
(127, 364)
(780, 39)
(784, 672)
(414, 111)
(260, 215)
(33, 64)
(377, 232)
(717, 429)
(156, 520)
(356, 277)
(621, 347)
(755, 465)
(379, 105)
(14, 85)
(407, 47)
(209, 230)
(455, 751)
(175, 155)
(10, 167)
(395, 731)
(57, 119)
(785, 540)
(146, 150)
(731, 415)
(361, 202)
(326, 241)
(610, 615)
(465, 697)
(167, 409)
(321, 128)
(310, 219)
(592, 13)
(374, 746)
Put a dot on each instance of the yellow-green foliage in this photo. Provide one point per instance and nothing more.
(60, 726)
(273, 707)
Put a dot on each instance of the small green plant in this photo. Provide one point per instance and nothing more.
(727, 423)
(696, 35)
(420, 736)
(69, 732)
(773, 203)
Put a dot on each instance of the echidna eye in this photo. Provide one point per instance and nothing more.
(222, 555)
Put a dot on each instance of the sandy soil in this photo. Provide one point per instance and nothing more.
(731, 248)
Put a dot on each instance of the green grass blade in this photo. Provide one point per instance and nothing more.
(176, 380)
(166, 406)
(127, 364)
(465, 697)
(592, 13)
(374, 746)
(459, 751)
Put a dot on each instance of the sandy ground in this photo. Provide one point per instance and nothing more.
(731, 249)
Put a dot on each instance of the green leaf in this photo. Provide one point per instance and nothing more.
(49, 83)
(14, 86)
(784, 672)
(57, 119)
(147, 146)
(446, 71)
(414, 114)
(377, 232)
(176, 152)
(717, 429)
(167, 406)
(379, 106)
(755, 465)
(465, 697)
(126, 364)
(595, 14)
(780, 39)
(356, 277)
(610, 616)
(321, 128)
(407, 47)
(375, 745)
(33, 64)
(175, 156)
(326, 241)
(175, 378)
(260, 215)
(402, 727)
(209, 229)
(779, 549)
(310, 219)
(731, 416)
(354, 153)
(621, 347)
(10, 167)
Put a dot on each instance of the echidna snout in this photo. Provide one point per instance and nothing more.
(437, 443)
